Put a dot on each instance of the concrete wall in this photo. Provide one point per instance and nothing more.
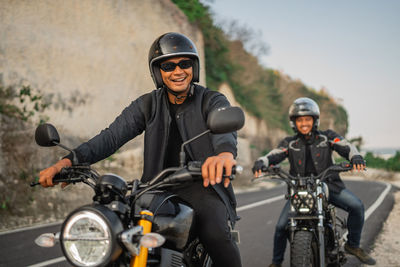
(88, 57)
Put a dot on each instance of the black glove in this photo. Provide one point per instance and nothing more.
(357, 160)
(258, 166)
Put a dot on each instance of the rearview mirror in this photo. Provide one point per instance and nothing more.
(47, 135)
(225, 120)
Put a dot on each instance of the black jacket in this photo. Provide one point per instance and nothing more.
(321, 145)
(150, 113)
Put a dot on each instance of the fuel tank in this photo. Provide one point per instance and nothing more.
(173, 217)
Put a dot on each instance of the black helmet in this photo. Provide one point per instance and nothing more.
(304, 106)
(168, 45)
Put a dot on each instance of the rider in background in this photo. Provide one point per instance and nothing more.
(310, 152)
(173, 113)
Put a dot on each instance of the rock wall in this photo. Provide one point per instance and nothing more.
(88, 57)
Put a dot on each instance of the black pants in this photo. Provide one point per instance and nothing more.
(211, 217)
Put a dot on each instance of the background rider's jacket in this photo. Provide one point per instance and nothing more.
(150, 113)
(321, 145)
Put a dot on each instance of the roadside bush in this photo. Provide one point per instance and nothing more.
(391, 164)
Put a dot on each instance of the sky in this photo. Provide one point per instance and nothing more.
(349, 47)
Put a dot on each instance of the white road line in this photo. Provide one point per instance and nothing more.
(49, 262)
(259, 203)
(378, 202)
(30, 228)
(368, 213)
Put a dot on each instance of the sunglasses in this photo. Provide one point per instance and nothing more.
(171, 66)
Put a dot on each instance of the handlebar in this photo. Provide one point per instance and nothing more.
(276, 170)
(191, 172)
(81, 173)
(74, 174)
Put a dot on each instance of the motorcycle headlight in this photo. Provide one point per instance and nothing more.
(89, 236)
(303, 202)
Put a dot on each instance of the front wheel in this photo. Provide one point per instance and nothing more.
(304, 250)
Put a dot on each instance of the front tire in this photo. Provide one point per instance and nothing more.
(304, 250)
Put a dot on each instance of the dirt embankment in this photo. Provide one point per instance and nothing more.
(387, 245)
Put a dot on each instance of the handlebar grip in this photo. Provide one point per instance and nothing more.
(236, 169)
(195, 166)
(346, 165)
(343, 166)
(58, 178)
(61, 177)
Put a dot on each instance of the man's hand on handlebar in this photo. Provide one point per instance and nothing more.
(358, 163)
(46, 175)
(213, 168)
(258, 167)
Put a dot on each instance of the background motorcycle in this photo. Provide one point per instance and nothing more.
(315, 232)
(136, 224)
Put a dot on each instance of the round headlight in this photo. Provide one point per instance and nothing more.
(303, 202)
(88, 236)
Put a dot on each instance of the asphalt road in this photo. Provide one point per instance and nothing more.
(259, 211)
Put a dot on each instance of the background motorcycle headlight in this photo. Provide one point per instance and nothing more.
(303, 202)
(88, 236)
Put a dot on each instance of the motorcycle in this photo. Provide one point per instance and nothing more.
(133, 223)
(315, 231)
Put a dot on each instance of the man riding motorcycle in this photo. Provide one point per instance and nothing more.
(170, 115)
(310, 152)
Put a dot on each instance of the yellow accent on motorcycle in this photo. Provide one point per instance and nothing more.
(141, 259)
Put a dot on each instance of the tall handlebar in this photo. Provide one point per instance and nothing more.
(276, 170)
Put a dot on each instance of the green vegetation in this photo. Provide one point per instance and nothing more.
(218, 65)
(5, 204)
(391, 164)
(22, 103)
(263, 92)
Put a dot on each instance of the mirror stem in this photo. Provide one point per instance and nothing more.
(74, 157)
(182, 155)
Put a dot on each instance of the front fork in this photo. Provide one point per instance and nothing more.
(146, 222)
(321, 229)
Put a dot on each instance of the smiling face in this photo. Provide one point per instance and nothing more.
(304, 124)
(179, 79)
